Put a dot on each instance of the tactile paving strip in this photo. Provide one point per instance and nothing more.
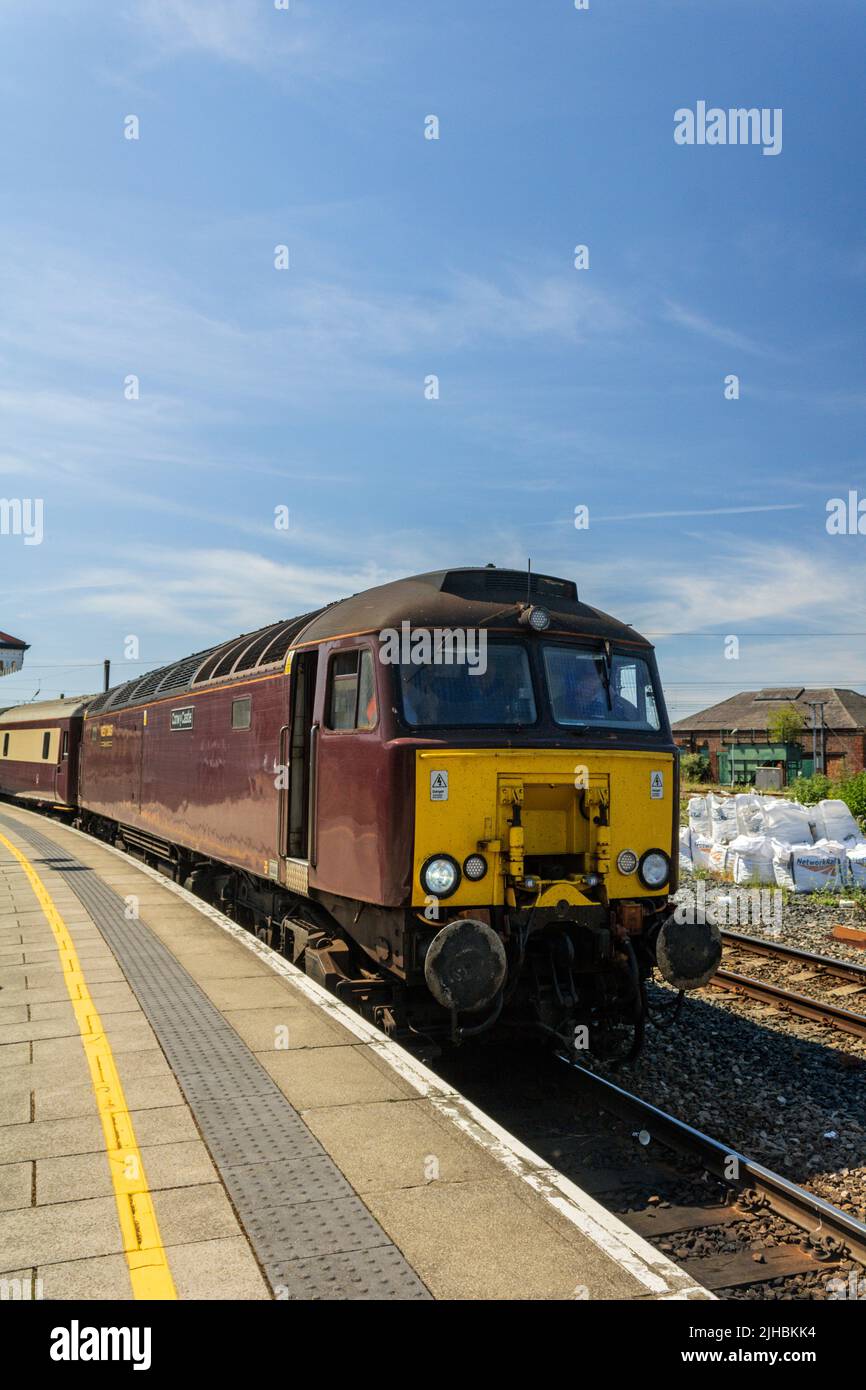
(311, 1233)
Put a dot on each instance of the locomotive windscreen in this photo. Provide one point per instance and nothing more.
(438, 695)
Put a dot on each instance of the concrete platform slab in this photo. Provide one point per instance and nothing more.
(176, 1165)
(16, 1185)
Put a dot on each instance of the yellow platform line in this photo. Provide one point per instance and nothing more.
(142, 1243)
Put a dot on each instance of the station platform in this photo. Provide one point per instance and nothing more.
(184, 1114)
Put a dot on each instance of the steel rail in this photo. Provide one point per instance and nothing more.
(803, 1208)
(844, 969)
(802, 1004)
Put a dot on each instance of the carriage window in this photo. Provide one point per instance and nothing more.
(584, 690)
(94, 732)
(64, 746)
(352, 700)
(46, 743)
(5, 744)
(242, 712)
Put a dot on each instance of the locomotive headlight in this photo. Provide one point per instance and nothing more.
(440, 875)
(475, 867)
(654, 869)
(626, 861)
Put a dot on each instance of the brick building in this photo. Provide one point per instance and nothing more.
(741, 722)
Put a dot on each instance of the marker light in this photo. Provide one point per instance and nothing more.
(475, 867)
(536, 618)
(440, 875)
(626, 861)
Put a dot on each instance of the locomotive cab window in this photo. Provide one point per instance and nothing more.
(46, 744)
(587, 687)
(352, 695)
(242, 712)
(497, 691)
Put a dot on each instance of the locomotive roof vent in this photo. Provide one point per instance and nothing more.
(508, 586)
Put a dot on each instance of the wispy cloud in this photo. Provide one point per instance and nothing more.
(741, 586)
(305, 43)
(297, 343)
(697, 323)
(703, 511)
(207, 594)
(234, 31)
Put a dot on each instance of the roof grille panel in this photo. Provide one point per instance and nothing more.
(121, 693)
(231, 654)
(285, 637)
(179, 675)
(147, 684)
(254, 652)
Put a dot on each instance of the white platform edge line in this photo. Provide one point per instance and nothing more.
(650, 1267)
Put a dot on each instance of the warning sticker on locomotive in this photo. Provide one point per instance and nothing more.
(438, 786)
(182, 718)
(657, 786)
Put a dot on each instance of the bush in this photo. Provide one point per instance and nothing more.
(853, 793)
(695, 768)
(786, 725)
(810, 790)
(820, 788)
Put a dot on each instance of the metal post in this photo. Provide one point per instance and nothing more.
(106, 673)
(818, 759)
(821, 748)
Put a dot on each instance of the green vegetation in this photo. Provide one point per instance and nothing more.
(695, 768)
(818, 788)
(785, 725)
(809, 790)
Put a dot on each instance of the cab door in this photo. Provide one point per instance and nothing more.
(61, 779)
(296, 813)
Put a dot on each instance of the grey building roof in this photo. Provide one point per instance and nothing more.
(752, 709)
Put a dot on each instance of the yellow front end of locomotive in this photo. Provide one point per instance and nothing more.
(543, 826)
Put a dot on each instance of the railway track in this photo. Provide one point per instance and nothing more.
(791, 966)
(752, 1228)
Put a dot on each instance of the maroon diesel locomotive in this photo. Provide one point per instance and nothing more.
(452, 799)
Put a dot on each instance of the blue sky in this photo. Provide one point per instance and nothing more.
(411, 257)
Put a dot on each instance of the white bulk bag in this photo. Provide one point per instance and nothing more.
(750, 814)
(701, 846)
(686, 849)
(751, 859)
(723, 818)
(818, 867)
(699, 815)
(857, 865)
(787, 821)
(782, 867)
(834, 821)
(717, 859)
